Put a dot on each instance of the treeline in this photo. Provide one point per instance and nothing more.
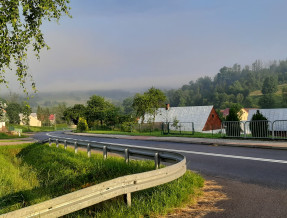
(100, 113)
(233, 85)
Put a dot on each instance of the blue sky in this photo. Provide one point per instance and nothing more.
(133, 44)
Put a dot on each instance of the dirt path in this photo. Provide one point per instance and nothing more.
(4, 142)
(230, 198)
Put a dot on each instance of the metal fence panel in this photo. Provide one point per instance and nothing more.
(258, 129)
(255, 129)
(178, 128)
(232, 129)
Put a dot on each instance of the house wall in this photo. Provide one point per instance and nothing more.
(213, 122)
(244, 115)
(34, 121)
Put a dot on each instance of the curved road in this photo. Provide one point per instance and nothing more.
(245, 172)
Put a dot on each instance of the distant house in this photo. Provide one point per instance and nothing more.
(33, 120)
(52, 118)
(244, 113)
(204, 118)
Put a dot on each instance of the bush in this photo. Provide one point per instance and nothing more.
(233, 127)
(259, 125)
(127, 126)
(82, 125)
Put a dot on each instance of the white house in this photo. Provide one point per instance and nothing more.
(204, 118)
(278, 114)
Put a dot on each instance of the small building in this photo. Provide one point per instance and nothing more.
(33, 120)
(204, 118)
(52, 119)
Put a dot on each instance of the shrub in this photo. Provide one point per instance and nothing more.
(127, 126)
(82, 125)
(259, 125)
(233, 127)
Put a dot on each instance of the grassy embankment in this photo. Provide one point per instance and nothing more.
(34, 173)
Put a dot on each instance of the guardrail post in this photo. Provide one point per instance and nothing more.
(128, 199)
(156, 160)
(50, 144)
(127, 155)
(105, 153)
(57, 143)
(65, 144)
(76, 147)
(89, 150)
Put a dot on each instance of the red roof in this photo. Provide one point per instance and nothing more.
(52, 117)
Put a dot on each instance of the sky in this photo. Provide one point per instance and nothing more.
(137, 44)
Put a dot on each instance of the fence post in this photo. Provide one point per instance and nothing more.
(156, 160)
(105, 153)
(127, 155)
(65, 144)
(76, 147)
(50, 144)
(273, 129)
(128, 199)
(89, 150)
(244, 129)
(57, 143)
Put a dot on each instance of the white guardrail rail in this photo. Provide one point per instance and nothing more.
(124, 185)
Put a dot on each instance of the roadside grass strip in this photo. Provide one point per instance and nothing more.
(33, 173)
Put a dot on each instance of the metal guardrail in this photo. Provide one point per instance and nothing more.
(124, 185)
(255, 129)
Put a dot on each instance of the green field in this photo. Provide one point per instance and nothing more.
(34, 173)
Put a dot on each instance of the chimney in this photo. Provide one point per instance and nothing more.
(167, 107)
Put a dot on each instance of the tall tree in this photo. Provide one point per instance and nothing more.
(74, 113)
(20, 22)
(266, 101)
(98, 109)
(13, 110)
(149, 102)
(270, 85)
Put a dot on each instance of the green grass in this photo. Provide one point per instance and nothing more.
(7, 136)
(34, 173)
(157, 133)
(42, 128)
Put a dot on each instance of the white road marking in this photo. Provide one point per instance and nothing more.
(193, 152)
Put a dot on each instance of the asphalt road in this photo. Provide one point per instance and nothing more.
(255, 180)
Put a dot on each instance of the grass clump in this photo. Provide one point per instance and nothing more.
(35, 173)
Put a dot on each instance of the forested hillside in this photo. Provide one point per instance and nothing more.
(234, 85)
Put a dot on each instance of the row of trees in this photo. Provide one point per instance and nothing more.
(99, 112)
